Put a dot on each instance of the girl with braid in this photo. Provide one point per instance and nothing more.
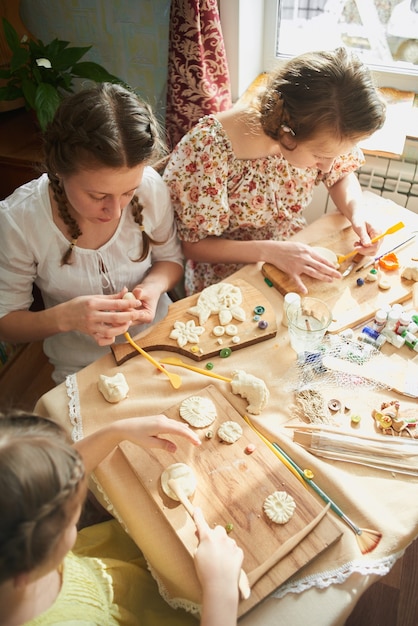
(240, 179)
(97, 224)
(103, 579)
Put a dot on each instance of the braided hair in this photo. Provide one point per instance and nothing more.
(103, 126)
(41, 483)
(330, 91)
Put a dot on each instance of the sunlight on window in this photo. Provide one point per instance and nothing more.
(382, 32)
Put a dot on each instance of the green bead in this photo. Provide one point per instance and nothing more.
(209, 366)
(225, 352)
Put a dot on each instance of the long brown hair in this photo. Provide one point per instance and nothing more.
(103, 126)
(41, 483)
(330, 91)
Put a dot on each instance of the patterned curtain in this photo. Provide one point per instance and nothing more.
(198, 78)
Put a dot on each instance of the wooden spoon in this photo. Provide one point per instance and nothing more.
(177, 488)
(175, 379)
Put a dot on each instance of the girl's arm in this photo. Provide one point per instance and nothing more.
(293, 258)
(347, 195)
(147, 432)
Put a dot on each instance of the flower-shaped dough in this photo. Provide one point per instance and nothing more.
(186, 332)
(222, 299)
(279, 507)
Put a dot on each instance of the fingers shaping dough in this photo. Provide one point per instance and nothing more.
(184, 474)
(279, 507)
(198, 411)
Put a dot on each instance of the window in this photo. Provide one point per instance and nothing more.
(384, 33)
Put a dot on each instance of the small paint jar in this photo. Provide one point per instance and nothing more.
(403, 323)
(288, 299)
(370, 332)
(379, 321)
(395, 340)
(392, 320)
(410, 340)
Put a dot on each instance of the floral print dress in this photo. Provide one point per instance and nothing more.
(216, 194)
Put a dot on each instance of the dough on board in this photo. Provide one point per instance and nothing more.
(114, 388)
(252, 389)
(279, 507)
(222, 299)
(198, 411)
(230, 431)
(185, 475)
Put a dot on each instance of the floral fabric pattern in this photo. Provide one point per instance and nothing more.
(198, 77)
(216, 194)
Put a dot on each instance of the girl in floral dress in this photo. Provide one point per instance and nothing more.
(240, 180)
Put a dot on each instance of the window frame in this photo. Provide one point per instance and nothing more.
(249, 28)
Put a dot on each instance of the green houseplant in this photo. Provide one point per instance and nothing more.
(42, 74)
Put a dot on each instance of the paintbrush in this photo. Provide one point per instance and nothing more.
(275, 451)
(367, 539)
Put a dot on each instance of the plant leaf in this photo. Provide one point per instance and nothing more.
(11, 35)
(29, 92)
(95, 72)
(69, 57)
(46, 103)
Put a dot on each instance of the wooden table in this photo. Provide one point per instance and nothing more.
(383, 501)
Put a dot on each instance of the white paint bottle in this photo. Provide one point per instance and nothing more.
(288, 299)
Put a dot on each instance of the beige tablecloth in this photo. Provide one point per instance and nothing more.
(375, 499)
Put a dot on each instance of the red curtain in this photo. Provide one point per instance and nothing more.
(198, 78)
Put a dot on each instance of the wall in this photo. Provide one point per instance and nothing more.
(129, 37)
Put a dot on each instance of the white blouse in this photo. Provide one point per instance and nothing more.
(31, 249)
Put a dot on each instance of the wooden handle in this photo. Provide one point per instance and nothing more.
(285, 548)
(243, 583)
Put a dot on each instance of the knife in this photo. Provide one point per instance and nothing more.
(352, 265)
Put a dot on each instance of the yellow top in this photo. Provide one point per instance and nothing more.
(113, 589)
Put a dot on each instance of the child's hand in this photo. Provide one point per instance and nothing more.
(148, 431)
(218, 559)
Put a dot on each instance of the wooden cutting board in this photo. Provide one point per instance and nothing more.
(157, 337)
(351, 304)
(231, 489)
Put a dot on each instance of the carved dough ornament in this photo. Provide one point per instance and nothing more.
(198, 411)
(230, 431)
(186, 332)
(222, 299)
(279, 507)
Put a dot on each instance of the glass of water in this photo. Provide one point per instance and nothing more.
(307, 321)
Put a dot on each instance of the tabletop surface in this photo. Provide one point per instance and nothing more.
(383, 501)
